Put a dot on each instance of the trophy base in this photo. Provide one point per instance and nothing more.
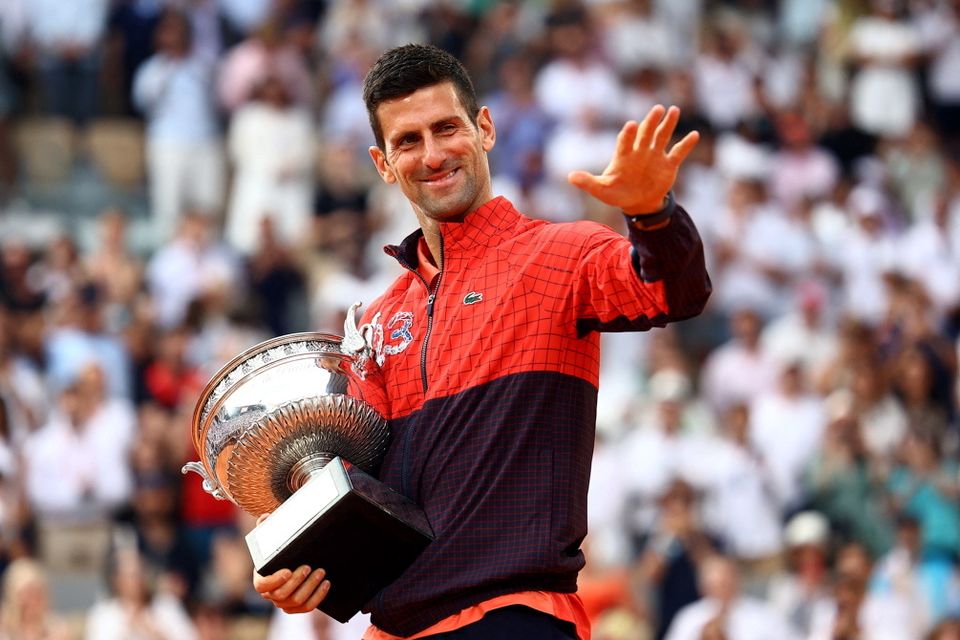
(363, 534)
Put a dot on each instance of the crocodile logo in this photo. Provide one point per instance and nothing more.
(472, 298)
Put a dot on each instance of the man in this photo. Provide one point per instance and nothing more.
(724, 613)
(489, 349)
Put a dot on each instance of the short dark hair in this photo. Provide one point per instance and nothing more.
(402, 70)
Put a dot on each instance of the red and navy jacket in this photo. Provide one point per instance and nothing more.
(491, 373)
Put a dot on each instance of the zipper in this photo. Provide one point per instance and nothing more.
(431, 299)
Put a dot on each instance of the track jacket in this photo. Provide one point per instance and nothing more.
(491, 374)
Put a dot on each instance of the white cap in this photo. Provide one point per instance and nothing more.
(807, 528)
(669, 385)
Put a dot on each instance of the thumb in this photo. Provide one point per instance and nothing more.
(585, 181)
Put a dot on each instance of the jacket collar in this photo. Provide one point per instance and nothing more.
(487, 226)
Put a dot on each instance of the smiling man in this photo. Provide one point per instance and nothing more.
(489, 346)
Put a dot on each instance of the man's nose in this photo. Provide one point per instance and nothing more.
(433, 154)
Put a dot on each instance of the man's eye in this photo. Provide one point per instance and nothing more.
(448, 128)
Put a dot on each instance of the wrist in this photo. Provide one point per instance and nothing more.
(651, 220)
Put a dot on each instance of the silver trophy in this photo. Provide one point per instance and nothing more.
(288, 428)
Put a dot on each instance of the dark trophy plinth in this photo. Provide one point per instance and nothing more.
(363, 534)
(287, 428)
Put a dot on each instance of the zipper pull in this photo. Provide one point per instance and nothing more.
(430, 300)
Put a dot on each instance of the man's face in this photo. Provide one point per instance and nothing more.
(435, 153)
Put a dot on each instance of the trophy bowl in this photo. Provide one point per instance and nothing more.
(288, 428)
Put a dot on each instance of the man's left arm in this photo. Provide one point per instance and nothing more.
(662, 277)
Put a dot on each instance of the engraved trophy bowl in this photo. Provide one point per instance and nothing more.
(288, 428)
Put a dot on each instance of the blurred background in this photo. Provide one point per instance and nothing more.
(181, 179)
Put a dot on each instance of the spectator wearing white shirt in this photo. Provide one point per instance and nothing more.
(929, 253)
(786, 427)
(724, 82)
(800, 168)
(724, 612)
(805, 333)
(739, 370)
(636, 37)
(78, 464)
(174, 89)
(869, 253)
(740, 503)
(575, 86)
(860, 612)
(272, 148)
(758, 250)
(190, 267)
(884, 96)
(581, 93)
(659, 450)
(136, 610)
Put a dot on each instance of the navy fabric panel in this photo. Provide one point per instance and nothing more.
(502, 471)
(512, 623)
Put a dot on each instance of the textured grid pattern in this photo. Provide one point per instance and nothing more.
(497, 450)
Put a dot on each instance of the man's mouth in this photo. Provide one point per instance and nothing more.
(440, 179)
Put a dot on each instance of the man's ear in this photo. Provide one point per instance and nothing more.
(488, 132)
(380, 162)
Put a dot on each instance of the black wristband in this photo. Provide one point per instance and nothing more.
(644, 221)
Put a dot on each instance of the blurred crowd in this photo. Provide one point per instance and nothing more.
(783, 467)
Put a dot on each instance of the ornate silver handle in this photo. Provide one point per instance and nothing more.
(208, 483)
(357, 341)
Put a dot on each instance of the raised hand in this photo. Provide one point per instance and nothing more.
(642, 170)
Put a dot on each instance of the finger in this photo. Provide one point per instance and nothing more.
(585, 181)
(626, 137)
(647, 126)
(308, 588)
(283, 592)
(318, 596)
(682, 149)
(266, 584)
(666, 128)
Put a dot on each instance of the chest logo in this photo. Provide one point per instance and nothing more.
(472, 298)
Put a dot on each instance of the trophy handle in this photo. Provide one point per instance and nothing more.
(208, 484)
(357, 341)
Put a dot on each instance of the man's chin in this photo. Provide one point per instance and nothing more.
(447, 209)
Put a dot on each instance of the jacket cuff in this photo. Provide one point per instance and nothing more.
(644, 221)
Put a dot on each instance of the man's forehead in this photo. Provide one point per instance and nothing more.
(422, 107)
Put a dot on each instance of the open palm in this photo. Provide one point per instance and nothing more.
(642, 170)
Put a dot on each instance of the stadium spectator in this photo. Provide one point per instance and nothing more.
(724, 612)
(174, 91)
(272, 149)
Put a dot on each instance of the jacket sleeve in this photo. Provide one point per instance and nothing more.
(646, 280)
